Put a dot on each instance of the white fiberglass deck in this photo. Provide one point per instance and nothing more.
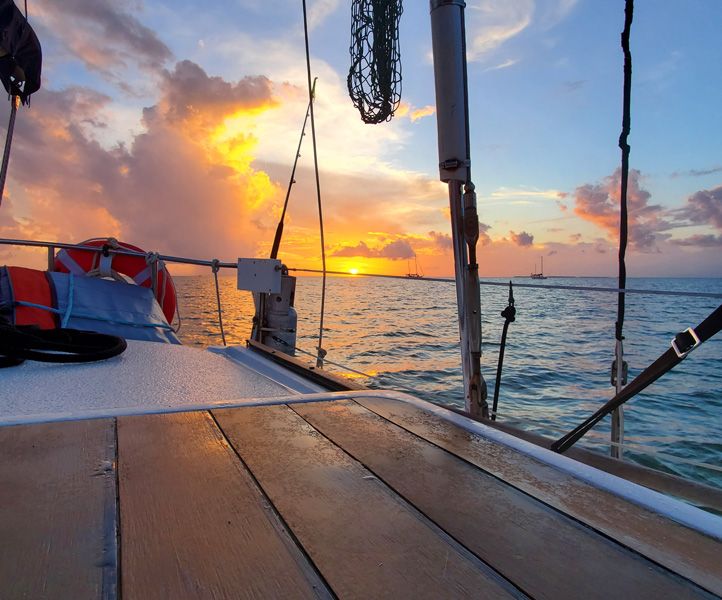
(147, 375)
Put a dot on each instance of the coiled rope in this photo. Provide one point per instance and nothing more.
(374, 78)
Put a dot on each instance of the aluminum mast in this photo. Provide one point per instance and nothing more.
(452, 118)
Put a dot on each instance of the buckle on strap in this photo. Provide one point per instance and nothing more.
(685, 341)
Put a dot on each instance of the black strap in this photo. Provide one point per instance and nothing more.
(55, 345)
(509, 314)
(683, 343)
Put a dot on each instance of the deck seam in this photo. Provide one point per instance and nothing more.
(428, 521)
(118, 569)
(281, 523)
(544, 503)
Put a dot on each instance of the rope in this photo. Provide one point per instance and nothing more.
(578, 288)
(321, 352)
(624, 146)
(215, 267)
(619, 366)
(374, 78)
(15, 100)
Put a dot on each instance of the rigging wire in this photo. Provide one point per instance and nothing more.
(321, 352)
(536, 286)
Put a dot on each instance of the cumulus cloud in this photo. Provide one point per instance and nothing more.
(396, 250)
(703, 207)
(442, 240)
(188, 92)
(484, 239)
(185, 185)
(104, 35)
(522, 239)
(598, 203)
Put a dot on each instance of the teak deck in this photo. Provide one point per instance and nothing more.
(365, 498)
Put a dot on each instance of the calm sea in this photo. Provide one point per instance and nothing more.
(404, 334)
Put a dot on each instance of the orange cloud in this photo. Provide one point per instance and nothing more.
(599, 204)
(420, 113)
(178, 187)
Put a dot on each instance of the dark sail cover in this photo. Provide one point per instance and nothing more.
(20, 52)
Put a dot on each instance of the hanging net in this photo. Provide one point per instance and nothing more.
(374, 79)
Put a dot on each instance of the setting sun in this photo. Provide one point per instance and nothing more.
(353, 271)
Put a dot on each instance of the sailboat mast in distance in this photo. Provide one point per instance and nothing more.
(540, 274)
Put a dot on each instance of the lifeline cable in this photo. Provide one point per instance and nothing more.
(321, 351)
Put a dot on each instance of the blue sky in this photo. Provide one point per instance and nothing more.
(545, 89)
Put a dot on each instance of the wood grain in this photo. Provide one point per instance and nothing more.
(367, 542)
(528, 542)
(193, 524)
(57, 511)
(685, 551)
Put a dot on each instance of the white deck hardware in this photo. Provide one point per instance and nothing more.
(259, 275)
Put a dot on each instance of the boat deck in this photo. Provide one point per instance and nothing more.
(361, 496)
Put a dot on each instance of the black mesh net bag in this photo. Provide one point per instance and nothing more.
(374, 79)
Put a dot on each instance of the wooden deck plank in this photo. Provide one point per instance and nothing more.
(367, 542)
(193, 523)
(528, 542)
(57, 511)
(682, 550)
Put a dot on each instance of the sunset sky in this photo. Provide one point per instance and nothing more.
(172, 125)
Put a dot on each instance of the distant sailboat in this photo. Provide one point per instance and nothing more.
(415, 274)
(540, 274)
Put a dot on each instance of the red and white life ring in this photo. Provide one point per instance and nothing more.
(136, 268)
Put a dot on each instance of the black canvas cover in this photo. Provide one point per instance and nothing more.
(20, 52)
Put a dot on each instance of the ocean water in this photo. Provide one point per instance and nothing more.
(404, 335)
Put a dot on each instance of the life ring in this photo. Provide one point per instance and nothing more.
(121, 267)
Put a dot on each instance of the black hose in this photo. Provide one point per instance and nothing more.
(20, 343)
